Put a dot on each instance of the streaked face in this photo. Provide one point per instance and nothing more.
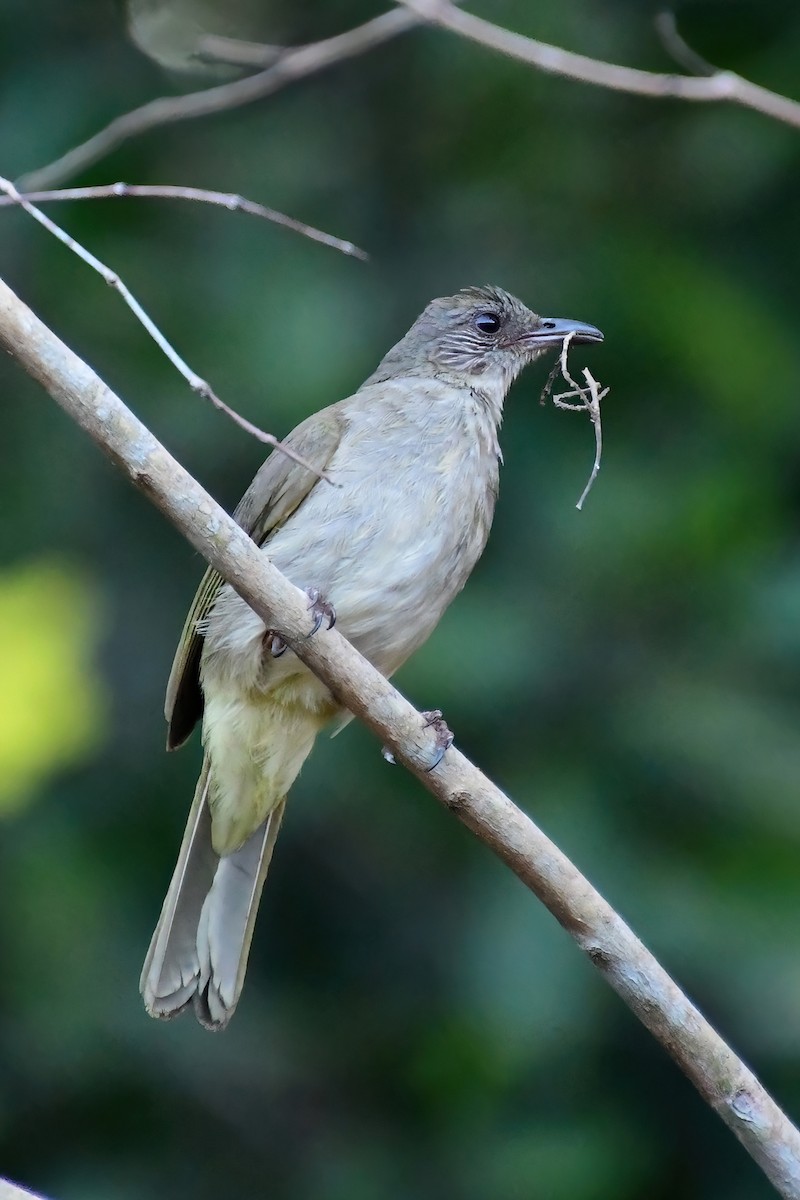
(486, 330)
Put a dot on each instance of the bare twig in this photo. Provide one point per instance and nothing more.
(676, 46)
(198, 385)
(301, 61)
(721, 86)
(291, 66)
(550, 381)
(588, 396)
(720, 1076)
(563, 364)
(238, 53)
(593, 407)
(169, 191)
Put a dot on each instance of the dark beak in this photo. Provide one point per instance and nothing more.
(551, 331)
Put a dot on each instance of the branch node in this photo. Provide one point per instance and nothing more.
(676, 46)
(613, 76)
(744, 1106)
(457, 802)
(599, 956)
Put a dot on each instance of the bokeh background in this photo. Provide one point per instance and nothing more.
(414, 1024)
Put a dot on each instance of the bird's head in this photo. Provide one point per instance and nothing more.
(481, 336)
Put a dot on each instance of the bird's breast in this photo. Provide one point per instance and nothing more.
(396, 541)
(389, 542)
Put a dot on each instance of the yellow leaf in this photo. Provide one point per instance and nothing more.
(51, 696)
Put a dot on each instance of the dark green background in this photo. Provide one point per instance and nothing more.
(414, 1024)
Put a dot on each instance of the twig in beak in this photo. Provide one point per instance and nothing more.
(589, 396)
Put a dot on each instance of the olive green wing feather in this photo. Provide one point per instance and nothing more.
(278, 490)
(183, 706)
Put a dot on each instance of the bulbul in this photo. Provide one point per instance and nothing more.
(415, 457)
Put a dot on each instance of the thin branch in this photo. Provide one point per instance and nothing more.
(239, 53)
(676, 46)
(167, 191)
(721, 86)
(719, 1075)
(198, 385)
(302, 61)
(291, 66)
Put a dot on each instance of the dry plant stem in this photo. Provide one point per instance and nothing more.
(563, 362)
(721, 1078)
(589, 397)
(198, 385)
(291, 66)
(593, 406)
(721, 86)
(168, 191)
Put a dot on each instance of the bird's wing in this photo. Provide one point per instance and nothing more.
(279, 488)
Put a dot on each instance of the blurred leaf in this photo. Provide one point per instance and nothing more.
(51, 699)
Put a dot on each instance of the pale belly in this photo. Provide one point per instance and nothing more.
(389, 548)
(389, 554)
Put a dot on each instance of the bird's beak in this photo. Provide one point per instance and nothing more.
(551, 331)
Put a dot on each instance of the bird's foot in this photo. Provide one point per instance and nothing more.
(444, 738)
(274, 643)
(321, 609)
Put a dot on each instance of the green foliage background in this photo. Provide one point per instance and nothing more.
(414, 1025)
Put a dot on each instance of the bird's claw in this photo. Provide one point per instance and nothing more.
(444, 738)
(321, 609)
(274, 643)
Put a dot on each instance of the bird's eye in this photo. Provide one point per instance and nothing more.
(487, 322)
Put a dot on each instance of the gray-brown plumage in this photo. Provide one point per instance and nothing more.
(415, 455)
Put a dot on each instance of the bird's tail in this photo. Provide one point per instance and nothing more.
(202, 940)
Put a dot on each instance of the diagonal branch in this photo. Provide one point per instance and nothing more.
(291, 66)
(719, 86)
(169, 191)
(200, 386)
(294, 64)
(719, 1075)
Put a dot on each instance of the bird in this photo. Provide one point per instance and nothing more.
(381, 525)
